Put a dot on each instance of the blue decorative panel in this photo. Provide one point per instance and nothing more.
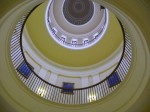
(68, 88)
(24, 69)
(113, 79)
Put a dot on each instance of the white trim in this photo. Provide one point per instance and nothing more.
(81, 46)
(70, 71)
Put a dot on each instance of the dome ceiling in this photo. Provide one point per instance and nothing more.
(78, 12)
(74, 29)
(73, 58)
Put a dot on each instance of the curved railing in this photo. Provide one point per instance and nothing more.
(59, 94)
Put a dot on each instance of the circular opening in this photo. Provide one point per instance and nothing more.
(78, 7)
(78, 12)
(73, 18)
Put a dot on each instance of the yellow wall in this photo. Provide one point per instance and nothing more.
(73, 58)
(139, 11)
(6, 5)
(13, 93)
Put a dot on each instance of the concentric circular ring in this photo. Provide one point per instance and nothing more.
(78, 12)
(73, 33)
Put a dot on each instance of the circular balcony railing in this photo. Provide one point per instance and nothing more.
(66, 95)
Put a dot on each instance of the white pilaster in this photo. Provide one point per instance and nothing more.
(84, 81)
(96, 79)
(42, 73)
(53, 78)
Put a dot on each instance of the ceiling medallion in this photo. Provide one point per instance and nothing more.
(78, 12)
